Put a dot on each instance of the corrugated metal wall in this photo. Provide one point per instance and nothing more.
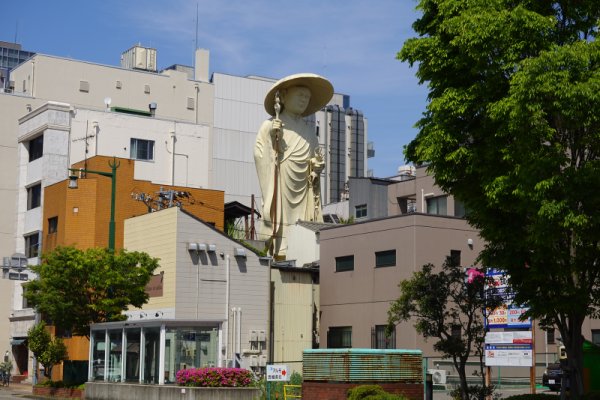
(363, 365)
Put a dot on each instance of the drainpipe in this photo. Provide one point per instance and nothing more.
(227, 321)
(173, 140)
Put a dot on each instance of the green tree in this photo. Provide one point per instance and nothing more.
(512, 130)
(444, 305)
(48, 351)
(78, 287)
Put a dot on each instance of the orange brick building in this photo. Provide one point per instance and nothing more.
(80, 217)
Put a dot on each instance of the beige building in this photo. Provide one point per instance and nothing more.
(205, 281)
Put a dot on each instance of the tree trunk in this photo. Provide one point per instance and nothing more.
(462, 375)
(574, 348)
(575, 361)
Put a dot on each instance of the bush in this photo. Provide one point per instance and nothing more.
(371, 392)
(477, 392)
(215, 377)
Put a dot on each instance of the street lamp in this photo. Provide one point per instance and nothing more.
(113, 177)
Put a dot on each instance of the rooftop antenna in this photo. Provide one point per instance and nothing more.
(16, 30)
(196, 27)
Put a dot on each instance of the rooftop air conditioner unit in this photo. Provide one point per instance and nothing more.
(438, 376)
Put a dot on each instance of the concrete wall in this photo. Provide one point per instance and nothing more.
(111, 391)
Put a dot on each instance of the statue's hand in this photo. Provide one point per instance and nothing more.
(276, 127)
(317, 165)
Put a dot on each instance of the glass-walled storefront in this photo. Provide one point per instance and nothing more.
(145, 352)
(189, 347)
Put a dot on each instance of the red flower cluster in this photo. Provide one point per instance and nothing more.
(215, 377)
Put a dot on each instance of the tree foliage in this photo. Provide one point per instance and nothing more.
(47, 350)
(78, 287)
(445, 306)
(512, 129)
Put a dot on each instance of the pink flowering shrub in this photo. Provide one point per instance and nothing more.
(215, 377)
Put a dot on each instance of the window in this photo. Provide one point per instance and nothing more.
(550, 339)
(459, 209)
(360, 211)
(34, 196)
(380, 341)
(456, 331)
(52, 225)
(437, 205)
(339, 337)
(455, 258)
(596, 336)
(24, 303)
(385, 258)
(142, 149)
(36, 148)
(345, 263)
(32, 245)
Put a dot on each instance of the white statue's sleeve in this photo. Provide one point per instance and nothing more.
(264, 161)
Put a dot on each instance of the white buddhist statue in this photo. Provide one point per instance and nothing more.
(288, 158)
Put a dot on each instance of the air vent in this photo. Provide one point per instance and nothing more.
(119, 85)
(84, 86)
(147, 89)
(190, 103)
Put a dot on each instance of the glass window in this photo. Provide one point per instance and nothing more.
(550, 339)
(32, 245)
(456, 331)
(115, 356)
(459, 209)
(360, 211)
(380, 341)
(190, 348)
(345, 263)
(142, 149)
(52, 225)
(339, 337)
(151, 355)
(34, 196)
(596, 336)
(455, 258)
(36, 148)
(99, 345)
(132, 357)
(385, 258)
(437, 205)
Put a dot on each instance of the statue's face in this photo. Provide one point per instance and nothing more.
(296, 99)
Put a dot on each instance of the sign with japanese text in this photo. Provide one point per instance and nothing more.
(508, 314)
(508, 355)
(277, 372)
(516, 337)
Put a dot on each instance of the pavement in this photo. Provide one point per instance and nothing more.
(18, 391)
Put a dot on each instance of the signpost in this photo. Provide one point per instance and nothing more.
(511, 348)
(276, 373)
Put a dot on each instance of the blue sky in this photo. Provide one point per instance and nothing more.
(351, 42)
